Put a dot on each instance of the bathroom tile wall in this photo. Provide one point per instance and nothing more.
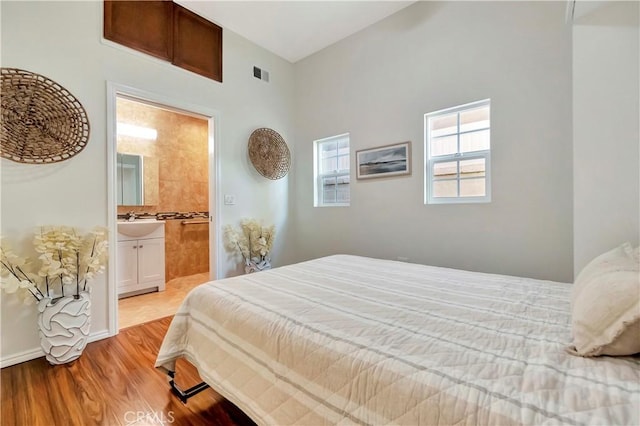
(181, 154)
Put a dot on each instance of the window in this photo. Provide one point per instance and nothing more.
(457, 146)
(331, 171)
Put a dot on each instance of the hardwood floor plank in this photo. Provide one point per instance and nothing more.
(112, 383)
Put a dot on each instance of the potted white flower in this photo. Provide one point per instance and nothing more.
(60, 286)
(253, 242)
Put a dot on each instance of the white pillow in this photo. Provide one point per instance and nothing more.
(605, 305)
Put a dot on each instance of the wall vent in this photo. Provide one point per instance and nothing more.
(261, 74)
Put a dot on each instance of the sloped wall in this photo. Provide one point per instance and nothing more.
(378, 84)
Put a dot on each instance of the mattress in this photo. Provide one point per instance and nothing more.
(354, 340)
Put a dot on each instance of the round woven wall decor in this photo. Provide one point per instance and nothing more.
(269, 153)
(41, 121)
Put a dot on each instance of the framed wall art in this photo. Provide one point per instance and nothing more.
(384, 161)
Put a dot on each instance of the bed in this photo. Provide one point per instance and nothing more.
(354, 340)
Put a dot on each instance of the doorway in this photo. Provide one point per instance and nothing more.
(162, 173)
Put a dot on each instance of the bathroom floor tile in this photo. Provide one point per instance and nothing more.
(151, 306)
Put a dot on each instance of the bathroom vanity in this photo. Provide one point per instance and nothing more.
(140, 257)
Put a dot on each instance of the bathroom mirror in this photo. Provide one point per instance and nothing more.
(130, 180)
(137, 180)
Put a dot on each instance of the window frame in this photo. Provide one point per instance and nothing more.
(458, 156)
(318, 194)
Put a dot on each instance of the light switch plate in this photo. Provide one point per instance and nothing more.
(229, 200)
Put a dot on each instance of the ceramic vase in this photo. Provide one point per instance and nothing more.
(64, 327)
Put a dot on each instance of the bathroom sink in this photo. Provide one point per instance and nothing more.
(139, 227)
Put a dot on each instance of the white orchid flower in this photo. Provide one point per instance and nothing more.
(10, 285)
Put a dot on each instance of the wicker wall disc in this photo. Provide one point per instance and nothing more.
(269, 153)
(41, 121)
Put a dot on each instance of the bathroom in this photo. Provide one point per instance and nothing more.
(162, 174)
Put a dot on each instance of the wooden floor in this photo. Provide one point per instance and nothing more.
(147, 307)
(112, 383)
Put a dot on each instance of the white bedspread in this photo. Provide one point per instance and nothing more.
(352, 340)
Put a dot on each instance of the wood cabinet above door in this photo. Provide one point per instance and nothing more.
(146, 26)
(197, 43)
(167, 31)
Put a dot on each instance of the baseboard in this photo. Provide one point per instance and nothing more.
(30, 354)
(21, 357)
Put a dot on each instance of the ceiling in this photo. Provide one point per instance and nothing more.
(294, 29)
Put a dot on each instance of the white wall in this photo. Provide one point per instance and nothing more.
(62, 41)
(378, 84)
(606, 88)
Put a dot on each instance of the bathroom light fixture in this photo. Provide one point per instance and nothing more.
(125, 129)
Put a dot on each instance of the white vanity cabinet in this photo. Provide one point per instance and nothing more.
(140, 258)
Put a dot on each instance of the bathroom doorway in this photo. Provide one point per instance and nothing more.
(163, 179)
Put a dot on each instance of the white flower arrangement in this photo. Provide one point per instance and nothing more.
(68, 261)
(253, 241)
